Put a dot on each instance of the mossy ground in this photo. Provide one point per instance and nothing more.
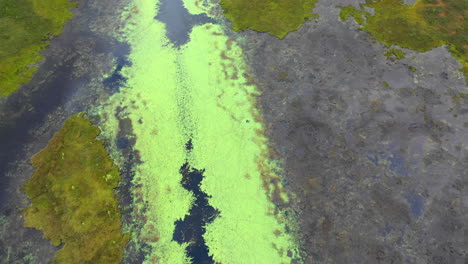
(277, 17)
(422, 26)
(395, 54)
(26, 27)
(73, 200)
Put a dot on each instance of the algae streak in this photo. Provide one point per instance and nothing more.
(25, 29)
(73, 199)
(277, 17)
(200, 93)
(422, 26)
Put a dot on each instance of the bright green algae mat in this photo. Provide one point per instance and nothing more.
(199, 91)
(73, 199)
(25, 29)
(277, 17)
(422, 26)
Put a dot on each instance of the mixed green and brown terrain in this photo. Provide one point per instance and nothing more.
(422, 26)
(232, 131)
(72, 194)
(26, 26)
(275, 17)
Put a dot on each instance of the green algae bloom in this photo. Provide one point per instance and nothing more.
(200, 92)
(422, 26)
(25, 29)
(73, 199)
(277, 17)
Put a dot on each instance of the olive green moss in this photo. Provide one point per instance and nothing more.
(277, 17)
(395, 54)
(26, 26)
(351, 11)
(422, 26)
(73, 199)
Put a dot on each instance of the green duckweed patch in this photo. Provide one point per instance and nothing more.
(73, 199)
(26, 26)
(200, 93)
(277, 17)
(422, 26)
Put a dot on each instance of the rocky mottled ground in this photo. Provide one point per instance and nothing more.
(376, 153)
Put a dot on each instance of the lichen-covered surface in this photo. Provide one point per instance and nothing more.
(72, 196)
(421, 26)
(25, 28)
(375, 149)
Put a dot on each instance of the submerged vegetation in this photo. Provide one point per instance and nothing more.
(73, 199)
(422, 26)
(26, 26)
(277, 17)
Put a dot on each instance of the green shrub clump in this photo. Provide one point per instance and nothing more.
(73, 199)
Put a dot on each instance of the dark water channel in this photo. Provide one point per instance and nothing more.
(68, 81)
(179, 22)
(53, 87)
(192, 227)
(24, 112)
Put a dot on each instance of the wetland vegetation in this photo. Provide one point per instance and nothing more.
(277, 17)
(26, 26)
(73, 198)
(422, 26)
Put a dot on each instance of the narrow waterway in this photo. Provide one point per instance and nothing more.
(187, 95)
(69, 80)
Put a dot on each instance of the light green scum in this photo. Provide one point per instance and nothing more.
(200, 91)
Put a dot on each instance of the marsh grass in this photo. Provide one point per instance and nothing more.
(422, 26)
(73, 199)
(26, 26)
(277, 17)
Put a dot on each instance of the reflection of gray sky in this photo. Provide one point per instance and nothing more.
(179, 21)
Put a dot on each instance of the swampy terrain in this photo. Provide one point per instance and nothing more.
(233, 131)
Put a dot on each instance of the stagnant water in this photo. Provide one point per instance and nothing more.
(179, 22)
(192, 227)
